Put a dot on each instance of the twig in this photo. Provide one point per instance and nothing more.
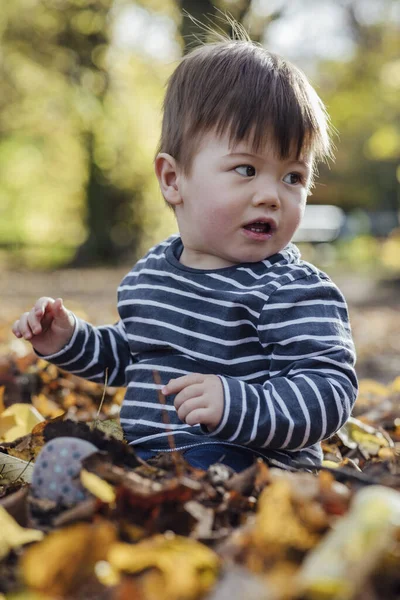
(165, 416)
(102, 399)
(23, 471)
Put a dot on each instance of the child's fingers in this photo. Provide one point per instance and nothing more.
(21, 327)
(59, 308)
(16, 329)
(29, 323)
(199, 415)
(188, 406)
(42, 304)
(62, 316)
(47, 310)
(191, 391)
(176, 385)
(34, 322)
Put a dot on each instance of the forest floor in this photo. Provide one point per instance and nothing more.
(374, 307)
(216, 525)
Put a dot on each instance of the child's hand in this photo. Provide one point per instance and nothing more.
(199, 399)
(48, 326)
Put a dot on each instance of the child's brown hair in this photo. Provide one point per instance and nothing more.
(237, 86)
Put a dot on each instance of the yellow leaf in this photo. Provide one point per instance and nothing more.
(351, 551)
(18, 420)
(66, 558)
(47, 408)
(187, 569)
(106, 574)
(370, 443)
(6, 424)
(370, 387)
(330, 464)
(97, 486)
(278, 525)
(356, 434)
(390, 253)
(13, 535)
(395, 386)
(2, 407)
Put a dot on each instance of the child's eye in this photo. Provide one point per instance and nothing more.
(245, 170)
(293, 178)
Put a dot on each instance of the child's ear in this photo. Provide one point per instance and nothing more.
(168, 176)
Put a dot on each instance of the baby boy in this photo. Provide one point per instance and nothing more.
(252, 344)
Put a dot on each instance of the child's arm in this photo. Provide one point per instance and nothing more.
(63, 339)
(311, 386)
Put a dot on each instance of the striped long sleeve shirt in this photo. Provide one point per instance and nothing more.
(276, 332)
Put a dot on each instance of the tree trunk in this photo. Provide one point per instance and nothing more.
(105, 207)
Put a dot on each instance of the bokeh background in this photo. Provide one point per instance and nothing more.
(81, 86)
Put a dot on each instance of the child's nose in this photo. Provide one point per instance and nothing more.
(267, 196)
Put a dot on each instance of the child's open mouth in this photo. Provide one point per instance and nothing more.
(260, 230)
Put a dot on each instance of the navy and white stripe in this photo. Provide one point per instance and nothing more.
(275, 332)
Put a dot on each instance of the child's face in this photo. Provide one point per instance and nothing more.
(237, 206)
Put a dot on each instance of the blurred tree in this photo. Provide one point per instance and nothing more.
(362, 95)
(84, 35)
(203, 13)
(64, 139)
(79, 121)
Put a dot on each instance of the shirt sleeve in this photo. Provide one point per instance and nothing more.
(311, 386)
(93, 350)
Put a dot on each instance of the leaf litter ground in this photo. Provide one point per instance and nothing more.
(166, 530)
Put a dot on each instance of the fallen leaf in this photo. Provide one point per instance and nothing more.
(66, 558)
(204, 517)
(278, 528)
(13, 535)
(2, 407)
(238, 583)
(97, 486)
(12, 468)
(186, 568)
(395, 386)
(356, 434)
(18, 420)
(346, 556)
(111, 427)
(47, 408)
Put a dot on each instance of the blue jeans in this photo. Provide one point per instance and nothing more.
(205, 455)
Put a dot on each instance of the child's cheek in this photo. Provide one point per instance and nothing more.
(220, 219)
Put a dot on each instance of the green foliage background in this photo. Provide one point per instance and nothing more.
(80, 119)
